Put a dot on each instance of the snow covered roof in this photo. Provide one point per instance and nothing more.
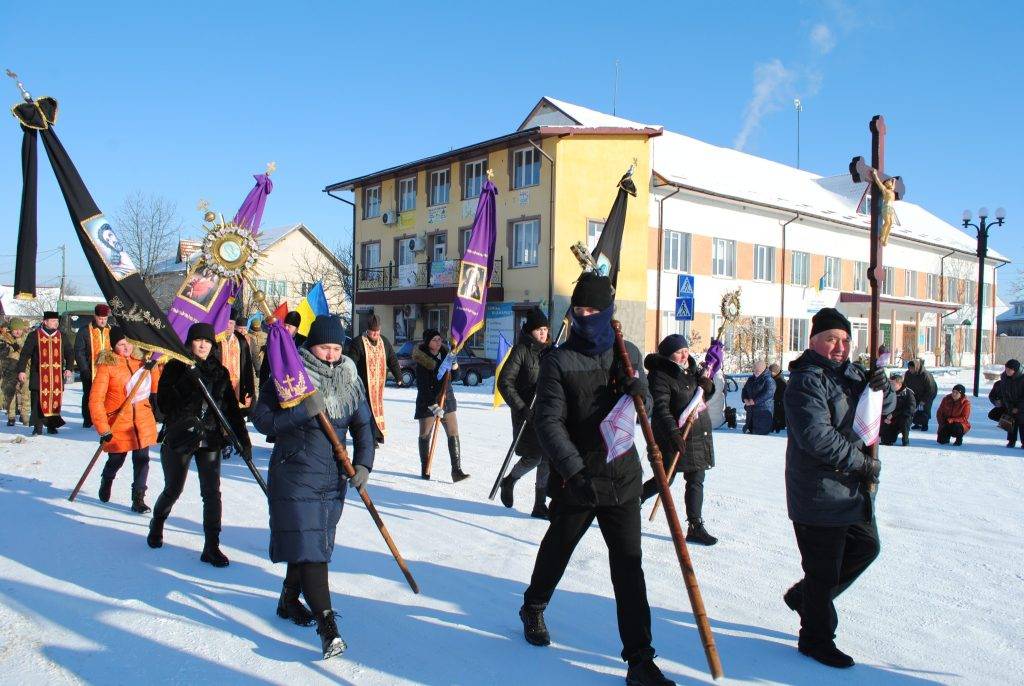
(1011, 314)
(552, 112)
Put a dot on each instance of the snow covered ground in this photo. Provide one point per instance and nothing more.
(82, 599)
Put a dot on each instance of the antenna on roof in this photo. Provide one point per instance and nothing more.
(615, 88)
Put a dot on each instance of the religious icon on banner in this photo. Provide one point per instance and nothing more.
(109, 246)
(471, 281)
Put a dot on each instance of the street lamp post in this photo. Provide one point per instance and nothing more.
(982, 228)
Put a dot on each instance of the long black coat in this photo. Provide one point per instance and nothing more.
(306, 483)
(517, 384)
(672, 388)
(1007, 392)
(823, 453)
(358, 355)
(428, 386)
(178, 397)
(574, 393)
(922, 383)
(779, 411)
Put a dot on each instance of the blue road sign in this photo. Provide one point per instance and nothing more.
(684, 309)
(684, 286)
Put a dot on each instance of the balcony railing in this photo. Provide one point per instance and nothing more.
(429, 274)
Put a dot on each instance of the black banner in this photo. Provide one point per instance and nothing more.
(609, 245)
(25, 269)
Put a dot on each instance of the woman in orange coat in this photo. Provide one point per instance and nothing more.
(954, 416)
(134, 429)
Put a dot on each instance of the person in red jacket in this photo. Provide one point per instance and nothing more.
(954, 416)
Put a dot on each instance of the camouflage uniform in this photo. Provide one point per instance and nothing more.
(17, 398)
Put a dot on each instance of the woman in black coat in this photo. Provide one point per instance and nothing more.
(779, 413)
(517, 384)
(428, 357)
(191, 429)
(674, 377)
(307, 485)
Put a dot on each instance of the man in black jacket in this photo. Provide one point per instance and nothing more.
(517, 384)
(1006, 396)
(779, 411)
(579, 384)
(922, 383)
(898, 423)
(828, 475)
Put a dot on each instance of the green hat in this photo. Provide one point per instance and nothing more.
(19, 323)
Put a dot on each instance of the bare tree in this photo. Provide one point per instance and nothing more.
(147, 226)
(962, 288)
(753, 338)
(313, 266)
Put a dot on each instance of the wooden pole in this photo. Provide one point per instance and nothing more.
(437, 422)
(678, 539)
(680, 440)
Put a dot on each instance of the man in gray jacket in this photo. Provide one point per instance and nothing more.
(829, 471)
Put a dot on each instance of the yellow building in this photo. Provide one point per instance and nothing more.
(556, 181)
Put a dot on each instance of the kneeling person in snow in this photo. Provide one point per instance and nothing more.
(306, 482)
(898, 423)
(134, 426)
(954, 416)
(578, 385)
(828, 474)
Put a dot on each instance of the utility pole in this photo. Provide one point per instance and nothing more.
(615, 89)
(63, 271)
(799, 108)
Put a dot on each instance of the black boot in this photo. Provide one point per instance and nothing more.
(51, 429)
(10, 421)
(330, 641)
(290, 607)
(698, 534)
(507, 486)
(827, 654)
(959, 440)
(424, 452)
(540, 509)
(455, 453)
(155, 539)
(534, 628)
(138, 502)
(105, 486)
(646, 673)
(211, 551)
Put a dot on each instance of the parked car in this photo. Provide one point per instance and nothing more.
(472, 369)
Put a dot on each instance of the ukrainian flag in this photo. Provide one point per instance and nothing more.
(504, 348)
(313, 305)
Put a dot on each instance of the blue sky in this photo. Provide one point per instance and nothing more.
(188, 99)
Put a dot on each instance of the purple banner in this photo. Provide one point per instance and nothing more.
(289, 375)
(250, 214)
(475, 271)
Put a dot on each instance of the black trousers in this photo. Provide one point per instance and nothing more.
(948, 431)
(693, 496)
(1016, 429)
(620, 526)
(86, 388)
(832, 558)
(311, 579)
(140, 467)
(176, 469)
(890, 432)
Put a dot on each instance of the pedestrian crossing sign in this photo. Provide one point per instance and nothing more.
(684, 309)
(684, 286)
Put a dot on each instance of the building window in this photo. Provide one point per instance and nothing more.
(274, 290)
(833, 273)
(728, 338)
(525, 240)
(888, 280)
(526, 168)
(929, 338)
(437, 318)
(910, 283)
(723, 258)
(677, 251)
(404, 252)
(407, 194)
(970, 291)
(932, 284)
(798, 330)
(473, 175)
(860, 277)
(968, 333)
(859, 339)
(594, 229)
(370, 255)
(763, 336)
(371, 202)
(479, 339)
(801, 268)
(670, 325)
(464, 236)
(439, 249)
(440, 186)
(764, 263)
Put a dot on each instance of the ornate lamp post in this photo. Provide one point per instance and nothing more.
(982, 228)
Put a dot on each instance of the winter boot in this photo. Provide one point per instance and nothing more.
(424, 453)
(534, 628)
(959, 440)
(10, 420)
(290, 607)
(330, 641)
(508, 484)
(827, 654)
(211, 551)
(540, 509)
(51, 430)
(455, 452)
(155, 539)
(138, 503)
(105, 486)
(698, 534)
(646, 673)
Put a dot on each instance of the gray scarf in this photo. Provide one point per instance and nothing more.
(339, 385)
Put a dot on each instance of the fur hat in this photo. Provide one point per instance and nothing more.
(201, 331)
(326, 330)
(50, 314)
(593, 290)
(101, 310)
(828, 318)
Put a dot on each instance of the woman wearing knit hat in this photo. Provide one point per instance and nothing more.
(193, 431)
(134, 427)
(954, 416)
(1007, 396)
(517, 384)
(428, 356)
(307, 486)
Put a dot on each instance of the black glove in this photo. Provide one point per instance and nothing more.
(359, 479)
(707, 385)
(871, 469)
(150, 364)
(582, 489)
(878, 381)
(106, 437)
